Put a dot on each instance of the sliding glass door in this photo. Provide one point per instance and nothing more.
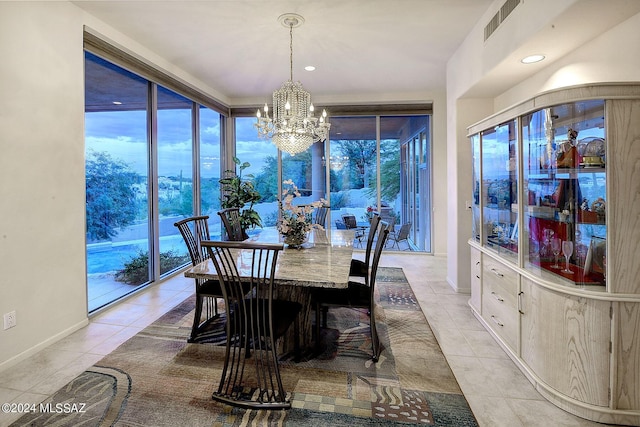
(383, 163)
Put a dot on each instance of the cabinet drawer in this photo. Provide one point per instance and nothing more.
(502, 317)
(494, 290)
(502, 279)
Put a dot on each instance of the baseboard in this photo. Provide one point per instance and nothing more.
(458, 290)
(42, 345)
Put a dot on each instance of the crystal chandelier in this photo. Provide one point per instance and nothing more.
(293, 128)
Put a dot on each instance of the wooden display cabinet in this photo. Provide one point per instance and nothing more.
(563, 167)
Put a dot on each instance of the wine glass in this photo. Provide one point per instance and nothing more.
(556, 245)
(567, 251)
(547, 233)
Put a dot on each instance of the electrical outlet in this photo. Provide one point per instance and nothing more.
(10, 320)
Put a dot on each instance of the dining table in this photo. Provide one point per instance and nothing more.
(323, 261)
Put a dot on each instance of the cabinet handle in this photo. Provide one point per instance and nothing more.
(498, 297)
(477, 262)
(520, 302)
(496, 321)
(477, 277)
(497, 273)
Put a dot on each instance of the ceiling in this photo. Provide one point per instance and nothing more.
(386, 49)
(364, 51)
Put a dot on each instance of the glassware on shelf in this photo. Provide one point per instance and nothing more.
(556, 245)
(567, 251)
(547, 233)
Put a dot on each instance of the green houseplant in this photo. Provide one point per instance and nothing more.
(239, 192)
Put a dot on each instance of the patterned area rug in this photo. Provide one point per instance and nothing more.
(157, 379)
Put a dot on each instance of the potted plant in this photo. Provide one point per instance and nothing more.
(239, 192)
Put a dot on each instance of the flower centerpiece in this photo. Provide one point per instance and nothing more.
(368, 215)
(297, 220)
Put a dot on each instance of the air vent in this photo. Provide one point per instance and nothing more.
(499, 17)
(507, 8)
(492, 26)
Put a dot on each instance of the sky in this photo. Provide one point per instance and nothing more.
(123, 134)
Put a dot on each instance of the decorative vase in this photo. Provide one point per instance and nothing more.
(296, 240)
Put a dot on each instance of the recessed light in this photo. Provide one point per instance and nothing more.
(309, 68)
(532, 58)
(117, 103)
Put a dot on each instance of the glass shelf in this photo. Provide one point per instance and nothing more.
(566, 199)
(499, 165)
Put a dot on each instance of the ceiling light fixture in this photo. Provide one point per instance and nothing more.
(293, 128)
(532, 59)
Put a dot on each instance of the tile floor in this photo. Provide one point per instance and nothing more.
(498, 393)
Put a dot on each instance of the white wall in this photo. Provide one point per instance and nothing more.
(41, 174)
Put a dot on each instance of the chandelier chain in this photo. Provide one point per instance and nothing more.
(291, 51)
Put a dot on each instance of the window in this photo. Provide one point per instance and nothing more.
(147, 165)
(117, 187)
(175, 174)
(262, 155)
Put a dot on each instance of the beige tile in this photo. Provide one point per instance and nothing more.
(32, 371)
(437, 316)
(52, 383)
(124, 315)
(88, 337)
(158, 295)
(495, 412)
(544, 413)
(7, 394)
(508, 378)
(483, 344)
(114, 341)
(472, 376)
(463, 318)
(453, 343)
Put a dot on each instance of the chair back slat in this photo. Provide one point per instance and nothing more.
(373, 271)
(233, 226)
(373, 229)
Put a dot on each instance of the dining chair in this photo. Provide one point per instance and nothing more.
(194, 230)
(358, 267)
(340, 225)
(257, 321)
(401, 236)
(350, 222)
(232, 225)
(321, 215)
(356, 295)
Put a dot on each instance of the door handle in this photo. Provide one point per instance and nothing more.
(520, 302)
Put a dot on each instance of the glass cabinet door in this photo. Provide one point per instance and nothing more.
(475, 173)
(500, 189)
(565, 173)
